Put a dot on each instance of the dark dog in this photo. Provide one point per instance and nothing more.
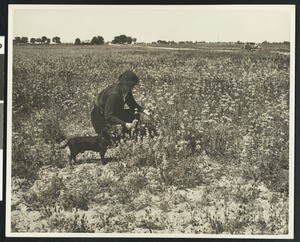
(100, 144)
(81, 144)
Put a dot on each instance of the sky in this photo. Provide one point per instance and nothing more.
(148, 23)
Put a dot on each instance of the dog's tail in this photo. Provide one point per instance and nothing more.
(64, 146)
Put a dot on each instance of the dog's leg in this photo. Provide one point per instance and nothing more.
(73, 156)
(104, 141)
(75, 161)
(102, 154)
(70, 160)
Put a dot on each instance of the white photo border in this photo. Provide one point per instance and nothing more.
(290, 235)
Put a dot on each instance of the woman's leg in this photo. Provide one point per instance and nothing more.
(99, 123)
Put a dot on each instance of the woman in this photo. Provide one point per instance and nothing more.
(109, 106)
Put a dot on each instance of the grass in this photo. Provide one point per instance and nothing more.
(218, 166)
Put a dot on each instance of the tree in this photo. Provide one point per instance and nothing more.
(44, 39)
(24, 40)
(77, 41)
(162, 42)
(94, 41)
(56, 40)
(128, 40)
(100, 40)
(18, 40)
(122, 39)
(48, 41)
(134, 40)
(97, 40)
(32, 40)
(39, 40)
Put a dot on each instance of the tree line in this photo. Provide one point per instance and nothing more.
(121, 39)
(41, 40)
(96, 40)
(99, 40)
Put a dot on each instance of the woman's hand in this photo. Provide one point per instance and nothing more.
(129, 125)
(147, 112)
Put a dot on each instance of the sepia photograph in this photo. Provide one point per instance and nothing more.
(160, 121)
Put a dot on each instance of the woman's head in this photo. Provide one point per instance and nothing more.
(129, 78)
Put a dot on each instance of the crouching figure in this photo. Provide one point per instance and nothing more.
(109, 108)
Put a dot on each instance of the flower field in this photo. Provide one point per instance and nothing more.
(219, 164)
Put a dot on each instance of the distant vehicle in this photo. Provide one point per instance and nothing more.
(251, 46)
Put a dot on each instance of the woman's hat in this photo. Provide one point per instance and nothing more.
(129, 78)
